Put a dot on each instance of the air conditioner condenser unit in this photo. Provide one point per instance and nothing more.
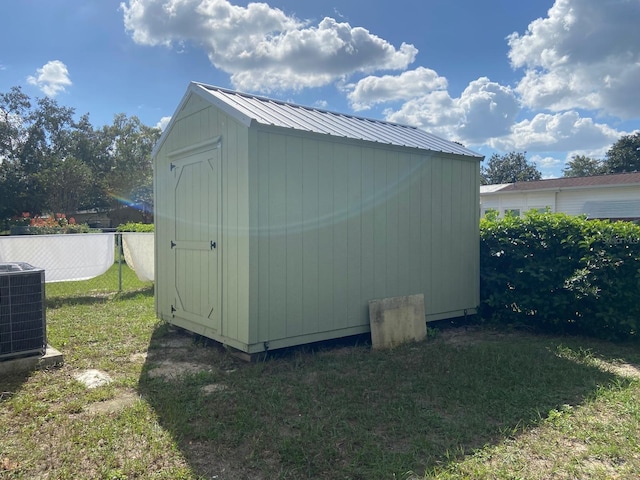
(22, 311)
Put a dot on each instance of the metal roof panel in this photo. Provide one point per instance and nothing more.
(267, 111)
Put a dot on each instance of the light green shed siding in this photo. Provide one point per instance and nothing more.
(310, 227)
(335, 224)
(205, 128)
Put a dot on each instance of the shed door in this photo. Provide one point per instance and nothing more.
(195, 243)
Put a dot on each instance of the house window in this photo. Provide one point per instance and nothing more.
(511, 212)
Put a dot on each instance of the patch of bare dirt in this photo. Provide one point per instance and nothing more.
(211, 461)
(214, 388)
(177, 355)
(174, 370)
(183, 341)
(469, 335)
(114, 405)
(624, 370)
(93, 378)
(138, 357)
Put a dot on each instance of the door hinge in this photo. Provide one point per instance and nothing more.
(213, 244)
(171, 167)
(173, 309)
(173, 244)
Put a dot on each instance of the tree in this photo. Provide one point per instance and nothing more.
(624, 155)
(66, 185)
(50, 163)
(94, 148)
(10, 178)
(509, 168)
(14, 107)
(583, 166)
(128, 173)
(47, 142)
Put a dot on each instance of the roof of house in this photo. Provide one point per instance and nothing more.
(617, 179)
(249, 108)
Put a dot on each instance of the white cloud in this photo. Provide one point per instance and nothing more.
(489, 108)
(485, 109)
(596, 153)
(162, 124)
(584, 54)
(410, 84)
(547, 165)
(435, 112)
(52, 78)
(260, 46)
(557, 132)
(546, 162)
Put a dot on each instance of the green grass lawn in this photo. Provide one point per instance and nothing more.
(470, 403)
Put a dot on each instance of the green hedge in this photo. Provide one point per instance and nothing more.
(136, 227)
(555, 272)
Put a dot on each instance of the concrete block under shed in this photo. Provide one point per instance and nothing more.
(397, 320)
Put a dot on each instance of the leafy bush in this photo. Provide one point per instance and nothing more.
(555, 272)
(136, 227)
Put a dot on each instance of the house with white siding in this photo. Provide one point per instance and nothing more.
(615, 196)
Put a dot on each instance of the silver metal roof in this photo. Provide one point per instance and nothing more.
(267, 111)
(496, 187)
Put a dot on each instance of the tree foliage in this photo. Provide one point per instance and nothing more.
(129, 173)
(49, 162)
(583, 166)
(509, 168)
(66, 184)
(624, 155)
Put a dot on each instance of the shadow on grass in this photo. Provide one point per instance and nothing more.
(97, 298)
(347, 412)
(144, 291)
(11, 383)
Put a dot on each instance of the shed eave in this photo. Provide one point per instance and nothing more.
(197, 89)
(225, 107)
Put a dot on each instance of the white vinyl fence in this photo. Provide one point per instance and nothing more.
(138, 251)
(79, 256)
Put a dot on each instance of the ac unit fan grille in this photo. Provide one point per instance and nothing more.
(22, 313)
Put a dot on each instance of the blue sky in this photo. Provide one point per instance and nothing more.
(552, 78)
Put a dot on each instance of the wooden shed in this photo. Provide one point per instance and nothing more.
(277, 223)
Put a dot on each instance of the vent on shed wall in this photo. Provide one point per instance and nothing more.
(22, 310)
